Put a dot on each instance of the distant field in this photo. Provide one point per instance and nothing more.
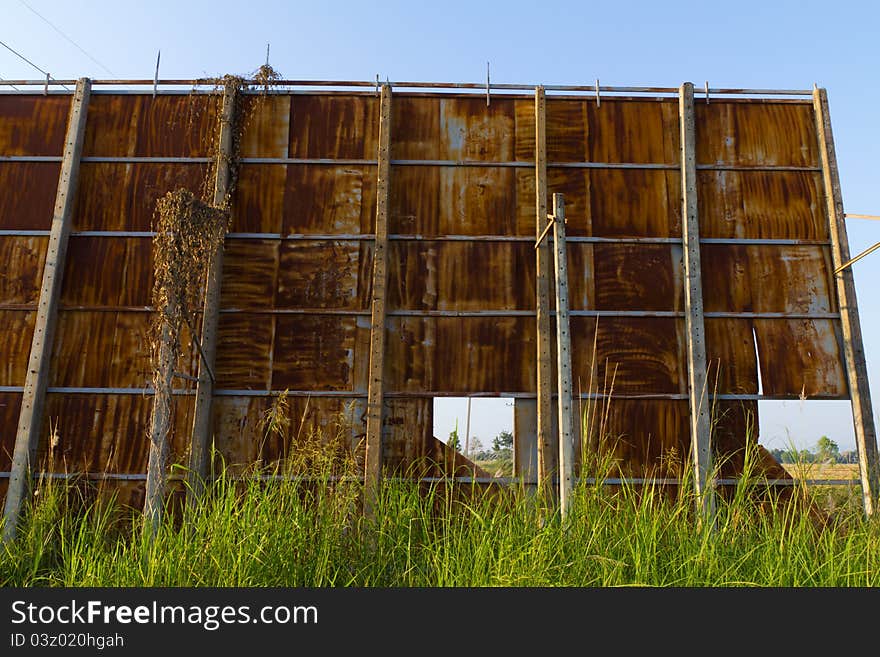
(823, 471)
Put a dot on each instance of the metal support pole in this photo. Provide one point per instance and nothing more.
(375, 386)
(563, 356)
(37, 378)
(853, 349)
(701, 439)
(201, 428)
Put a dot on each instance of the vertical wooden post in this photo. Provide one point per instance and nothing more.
(34, 395)
(160, 427)
(546, 458)
(375, 389)
(701, 438)
(853, 350)
(563, 356)
(201, 430)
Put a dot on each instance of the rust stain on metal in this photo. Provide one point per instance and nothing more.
(33, 203)
(636, 277)
(250, 274)
(258, 202)
(89, 259)
(266, 129)
(634, 354)
(244, 351)
(801, 357)
(339, 127)
(33, 125)
(325, 274)
(767, 279)
(23, 259)
(313, 352)
(774, 134)
(439, 276)
(117, 196)
(461, 354)
(329, 199)
(143, 126)
(10, 405)
(15, 346)
(761, 205)
(731, 356)
(644, 132)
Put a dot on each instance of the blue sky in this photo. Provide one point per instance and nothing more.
(742, 44)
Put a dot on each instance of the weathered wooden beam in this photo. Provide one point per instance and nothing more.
(201, 429)
(563, 357)
(36, 380)
(700, 416)
(546, 453)
(853, 349)
(376, 381)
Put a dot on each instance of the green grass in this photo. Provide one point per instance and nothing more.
(296, 534)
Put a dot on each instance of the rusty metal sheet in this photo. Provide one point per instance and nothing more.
(33, 203)
(337, 127)
(257, 206)
(33, 125)
(327, 199)
(241, 438)
(117, 196)
(105, 433)
(637, 438)
(89, 259)
(439, 276)
(757, 134)
(460, 354)
(144, 126)
(628, 354)
(21, 274)
(265, 130)
(524, 139)
(244, 351)
(454, 128)
(314, 352)
(643, 132)
(762, 205)
(731, 356)
(10, 406)
(567, 131)
(324, 274)
(767, 278)
(407, 435)
(250, 273)
(453, 201)
(108, 349)
(801, 357)
(734, 425)
(15, 345)
(636, 276)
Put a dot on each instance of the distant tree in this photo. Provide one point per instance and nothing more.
(503, 441)
(454, 440)
(476, 448)
(827, 450)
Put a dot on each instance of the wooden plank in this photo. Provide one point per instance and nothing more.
(563, 355)
(546, 456)
(853, 349)
(701, 446)
(375, 386)
(34, 395)
(198, 464)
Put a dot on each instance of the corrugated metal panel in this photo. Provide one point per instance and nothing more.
(339, 127)
(10, 405)
(33, 203)
(266, 129)
(258, 201)
(325, 274)
(329, 199)
(244, 351)
(644, 132)
(731, 356)
(87, 278)
(314, 352)
(33, 125)
(637, 277)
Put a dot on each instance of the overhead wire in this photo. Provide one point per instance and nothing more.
(18, 54)
(7, 84)
(75, 44)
